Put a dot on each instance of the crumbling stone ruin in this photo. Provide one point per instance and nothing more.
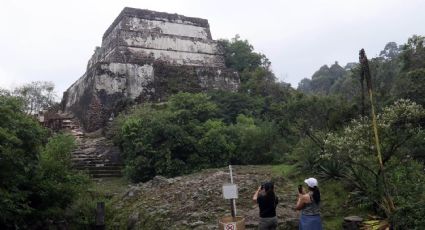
(146, 56)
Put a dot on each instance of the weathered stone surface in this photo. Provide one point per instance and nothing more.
(97, 156)
(147, 56)
(196, 201)
(132, 220)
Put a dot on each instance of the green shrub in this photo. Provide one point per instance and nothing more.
(410, 216)
(57, 184)
(36, 181)
(400, 181)
(186, 135)
(407, 184)
(21, 139)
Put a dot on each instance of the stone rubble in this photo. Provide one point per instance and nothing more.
(195, 201)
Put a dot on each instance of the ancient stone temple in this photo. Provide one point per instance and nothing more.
(147, 56)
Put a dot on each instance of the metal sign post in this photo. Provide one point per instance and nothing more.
(230, 192)
(232, 201)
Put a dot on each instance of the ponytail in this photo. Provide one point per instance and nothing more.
(269, 188)
(316, 194)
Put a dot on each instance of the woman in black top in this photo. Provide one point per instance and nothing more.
(267, 202)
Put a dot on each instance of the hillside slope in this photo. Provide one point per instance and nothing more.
(195, 201)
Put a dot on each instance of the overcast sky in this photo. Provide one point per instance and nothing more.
(52, 40)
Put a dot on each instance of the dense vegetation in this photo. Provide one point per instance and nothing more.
(189, 134)
(323, 128)
(259, 124)
(36, 180)
(397, 73)
(349, 154)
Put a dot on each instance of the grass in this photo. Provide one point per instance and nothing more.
(333, 207)
(284, 169)
(106, 190)
(110, 186)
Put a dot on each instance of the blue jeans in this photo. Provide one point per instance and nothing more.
(310, 222)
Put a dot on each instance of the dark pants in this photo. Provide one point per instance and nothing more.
(269, 223)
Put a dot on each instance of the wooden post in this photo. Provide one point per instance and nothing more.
(100, 216)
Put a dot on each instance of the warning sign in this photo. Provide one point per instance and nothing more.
(230, 226)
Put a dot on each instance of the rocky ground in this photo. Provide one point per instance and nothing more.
(196, 202)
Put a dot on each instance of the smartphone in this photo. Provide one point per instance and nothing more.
(300, 189)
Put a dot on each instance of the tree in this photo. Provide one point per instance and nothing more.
(37, 96)
(347, 87)
(240, 55)
(187, 134)
(216, 146)
(413, 53)
(163, 141)
(36, 179)
(411, 85)
(56, 184)
(391, 51)
(311, 116)
(192, 106)
(254, 142)
(257, 78)
(304, 86)
(230, 105)
(4, 92)
(322, 80)
(20, 141)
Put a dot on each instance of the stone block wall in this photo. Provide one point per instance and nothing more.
(147, 56)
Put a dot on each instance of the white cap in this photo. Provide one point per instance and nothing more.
(311, 182)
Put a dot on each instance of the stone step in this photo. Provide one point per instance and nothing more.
(94, 171)
(95, 155)
(105, 175)
(101, 174)
(104, 171)
(100, 171)
(89, 163)
(85, 156)
(88, 149)
(87, 153)
(104, 164)
(85, 149)
(93, 149)
(91, 168)
(89, 160)
(83, 159)
(97, 171)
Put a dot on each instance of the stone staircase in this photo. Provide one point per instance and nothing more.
(94, 153)
(98, 157)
